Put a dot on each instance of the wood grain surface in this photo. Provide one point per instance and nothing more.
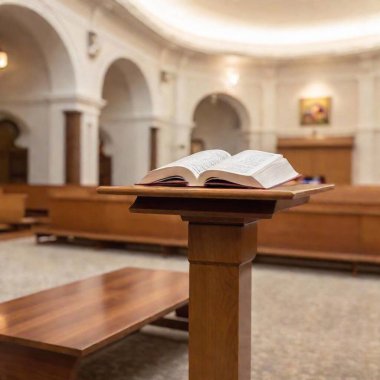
(82, 317)
(277, 193)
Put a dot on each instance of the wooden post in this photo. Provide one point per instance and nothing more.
(73, 148)
(220, 292)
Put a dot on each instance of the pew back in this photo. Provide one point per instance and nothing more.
(108, 218)
(12, 208)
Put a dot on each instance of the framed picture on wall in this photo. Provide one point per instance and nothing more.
(315, 111)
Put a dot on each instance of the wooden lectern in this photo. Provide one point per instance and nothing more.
(222, 245)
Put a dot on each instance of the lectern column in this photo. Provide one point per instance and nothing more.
(220, 255)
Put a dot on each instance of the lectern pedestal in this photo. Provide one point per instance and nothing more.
(222, 245)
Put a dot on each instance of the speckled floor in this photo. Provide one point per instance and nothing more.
(307, 324)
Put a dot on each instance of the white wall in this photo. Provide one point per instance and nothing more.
(338, 81)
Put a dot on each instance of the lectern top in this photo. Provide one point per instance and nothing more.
(277, 193)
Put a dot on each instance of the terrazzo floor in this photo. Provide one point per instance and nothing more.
(307, 324)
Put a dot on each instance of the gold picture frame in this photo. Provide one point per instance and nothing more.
(315, 111)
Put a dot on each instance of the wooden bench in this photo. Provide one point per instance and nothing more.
(12, 211)
(341, 225)
(107, 218)
(38, 200)
(45, 335)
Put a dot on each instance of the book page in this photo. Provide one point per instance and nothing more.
(197, 163)
(247, 162)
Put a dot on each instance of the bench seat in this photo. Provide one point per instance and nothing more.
(64, 324)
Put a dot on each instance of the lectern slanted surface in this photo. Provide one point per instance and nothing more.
(192, 202)
(222, 245)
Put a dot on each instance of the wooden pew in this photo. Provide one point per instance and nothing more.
(104, 218)
(46, 335)
(39, 195)
(342, 225)
(12, 211)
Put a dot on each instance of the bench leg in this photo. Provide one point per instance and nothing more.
(25, 363)
(183, 312)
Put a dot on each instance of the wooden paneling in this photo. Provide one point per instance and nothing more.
(329, 157)
(370, 234)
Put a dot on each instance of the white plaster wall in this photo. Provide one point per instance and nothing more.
(339, 84)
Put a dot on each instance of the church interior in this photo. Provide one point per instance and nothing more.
(94, 272)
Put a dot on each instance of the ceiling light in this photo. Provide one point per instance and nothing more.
(3, 59)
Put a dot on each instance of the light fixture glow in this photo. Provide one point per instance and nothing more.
(3, 59)
(233, 78)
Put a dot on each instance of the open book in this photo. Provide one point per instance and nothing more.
(217, 168)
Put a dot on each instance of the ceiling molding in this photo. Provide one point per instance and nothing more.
(202, 33)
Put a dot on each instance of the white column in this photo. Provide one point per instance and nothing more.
(129, 147)
(56, 143)
(365, 140)
(89, 153)
(182, 139)
(266, 135)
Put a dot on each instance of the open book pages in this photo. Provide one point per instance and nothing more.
(250, 168)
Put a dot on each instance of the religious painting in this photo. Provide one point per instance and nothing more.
(315, 111)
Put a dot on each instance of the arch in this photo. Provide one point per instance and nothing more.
(35, 21)
(126, 119)
(22, 126)
(233, 101)
(135, 81)
(41, 67)
(220, 122)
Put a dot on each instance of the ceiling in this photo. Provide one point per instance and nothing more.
(279, 28)
(283, 13)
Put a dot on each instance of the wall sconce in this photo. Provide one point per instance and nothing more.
(166, 76)
(233, 78)
(93, 45)
(3, 59)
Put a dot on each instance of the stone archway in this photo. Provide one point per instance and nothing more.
(125, 119)
(36, 76)
(220, 122)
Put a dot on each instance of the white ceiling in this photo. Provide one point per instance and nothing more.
(284, 13)
(279, 28)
